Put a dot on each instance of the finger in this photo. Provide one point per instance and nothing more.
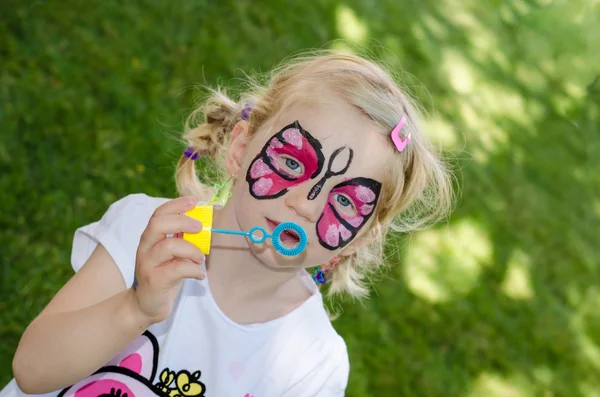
(176, 206)
(174, 248)
(159, 226)
(179, 269)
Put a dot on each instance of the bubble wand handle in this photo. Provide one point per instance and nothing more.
(251, 234)
(224, 231)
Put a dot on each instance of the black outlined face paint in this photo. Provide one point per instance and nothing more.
(314, 192)
(290, 157)
(349, 206)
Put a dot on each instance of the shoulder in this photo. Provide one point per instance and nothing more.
(140, 203)
(131, 212)
(327, 346)
(127, 217)
(118, 230)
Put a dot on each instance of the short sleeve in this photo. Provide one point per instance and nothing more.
(119, 231)
(323, 372)
(338, 381)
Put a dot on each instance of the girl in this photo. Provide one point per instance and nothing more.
(332, 144)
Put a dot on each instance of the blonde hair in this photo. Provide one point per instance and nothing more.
(418, 189)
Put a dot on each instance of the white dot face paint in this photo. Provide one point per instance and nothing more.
(259, 168)
(293, 137)
(262, 186)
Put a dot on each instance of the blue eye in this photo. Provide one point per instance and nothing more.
(343, 200)
(293, 165)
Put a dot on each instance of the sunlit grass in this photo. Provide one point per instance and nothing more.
(588, 306)
(459, 72)
(491, 385)
(443, 134)
(445, 263)
(349, 26)
(517, 282)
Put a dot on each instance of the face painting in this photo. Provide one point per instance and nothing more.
(349, 206)
(289, 158)
(314, 192)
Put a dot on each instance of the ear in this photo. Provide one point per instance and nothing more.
(237, 147)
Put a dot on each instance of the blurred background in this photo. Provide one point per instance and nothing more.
(501, 301)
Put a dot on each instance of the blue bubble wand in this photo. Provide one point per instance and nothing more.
(275, 237)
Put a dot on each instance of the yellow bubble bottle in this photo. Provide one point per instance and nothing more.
(203, 213)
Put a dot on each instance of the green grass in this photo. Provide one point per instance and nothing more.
(500, 301)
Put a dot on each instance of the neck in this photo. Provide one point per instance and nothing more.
(232, 265)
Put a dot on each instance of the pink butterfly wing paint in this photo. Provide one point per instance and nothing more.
(335, 229)
(267, 179)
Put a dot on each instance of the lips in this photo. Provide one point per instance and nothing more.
(288, 236)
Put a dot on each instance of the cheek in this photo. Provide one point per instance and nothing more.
(356, 221)
(330, 231)
(259, 168)
(366, 209)
(263, 187)
(262, 179)
(327, 229)
(266, 183)
(336, 230)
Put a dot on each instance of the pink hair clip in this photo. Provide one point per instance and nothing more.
(397, 139)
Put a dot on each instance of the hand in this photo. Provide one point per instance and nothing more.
(163, 263)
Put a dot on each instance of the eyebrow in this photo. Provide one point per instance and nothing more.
(327, 137)
(315, 138)
(297, 122)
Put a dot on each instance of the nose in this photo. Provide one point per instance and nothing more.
(297, 200)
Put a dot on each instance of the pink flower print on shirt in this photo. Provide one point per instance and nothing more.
(236, 370)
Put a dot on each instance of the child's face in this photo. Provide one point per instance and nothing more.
(321, 167)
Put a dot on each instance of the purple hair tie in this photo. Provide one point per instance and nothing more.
(246, 112)
(190, 154)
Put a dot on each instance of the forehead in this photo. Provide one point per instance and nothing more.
(335, 124)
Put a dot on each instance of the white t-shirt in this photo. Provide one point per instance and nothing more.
(198, 350)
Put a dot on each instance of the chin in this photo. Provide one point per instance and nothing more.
(268, 256)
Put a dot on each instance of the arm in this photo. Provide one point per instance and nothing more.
(94, 316)
(90, 320)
